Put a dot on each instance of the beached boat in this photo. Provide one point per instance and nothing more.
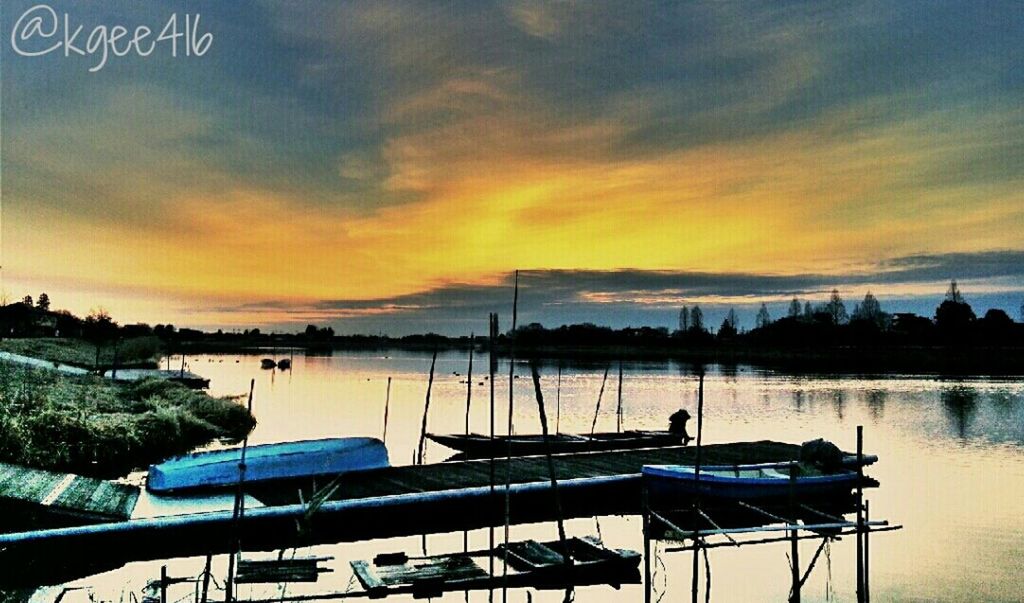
(480, 446)
(531, 564)
(267, 462)
(746, 482)
(268, 363)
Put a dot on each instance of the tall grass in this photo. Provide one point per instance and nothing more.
(90, 426)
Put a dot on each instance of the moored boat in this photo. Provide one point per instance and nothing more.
(479, 446)
(745, 482)
(267, 462)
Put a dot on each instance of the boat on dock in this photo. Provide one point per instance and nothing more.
(746, 482)
(531, 564)
(267, 463)
(476, 446)
(481, 446)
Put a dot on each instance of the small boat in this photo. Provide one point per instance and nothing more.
(746, 482)
(284, 364)
(480, 446)
(531, 564)
(268, 363)
(267, 462)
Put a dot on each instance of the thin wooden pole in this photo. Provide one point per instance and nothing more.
(794, 541)
(558, 400)
(469, 381)
(696, 476)
(426, 410)
(860, 514)
(867, 553)
(206, 577)
(163, 584)
(551, 466)
(239, 508)
(600, 394)
(387, 408)
(618, 408)
(508, 457)
(492, 368)
(645, 512)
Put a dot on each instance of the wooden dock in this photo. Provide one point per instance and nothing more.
(66, 498)
(381, 503)
(393, 481)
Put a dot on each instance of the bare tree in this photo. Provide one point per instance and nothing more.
(764, 318)
(808, 310)
(684, 319)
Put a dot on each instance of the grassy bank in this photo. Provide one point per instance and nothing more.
(91, 426)
(78, 352)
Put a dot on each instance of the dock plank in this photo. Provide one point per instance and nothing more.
(66, 494)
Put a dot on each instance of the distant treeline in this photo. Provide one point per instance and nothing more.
(805, 327)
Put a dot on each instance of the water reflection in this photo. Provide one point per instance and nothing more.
(876, 403)
(961, 404)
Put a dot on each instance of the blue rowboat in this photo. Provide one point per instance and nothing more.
(744, 482)
(267, 462)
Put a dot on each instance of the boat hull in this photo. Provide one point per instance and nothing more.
(479, 446)
(680, 482)
(267, 462)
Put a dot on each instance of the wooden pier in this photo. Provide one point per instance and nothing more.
(381, 503)
(63, 498)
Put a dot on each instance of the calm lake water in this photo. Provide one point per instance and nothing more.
(951, 468)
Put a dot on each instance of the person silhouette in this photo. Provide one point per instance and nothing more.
(677, 424)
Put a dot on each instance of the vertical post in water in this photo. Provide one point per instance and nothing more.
(508, 458)
(867, 552)
(794, 538)
(469, 381)
(182, 374)
(696, 476)
(645, 512)
(238, 513)
(860, 514)
(492, 369)
(206, 577)
(618, 408)
(163, 584)
(426, 410)
(558, 400)
(387, 408)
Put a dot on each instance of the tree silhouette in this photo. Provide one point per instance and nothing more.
(27, 300)
(794, 308)
(728, 328)
(953, 293)
(869, 310)
(684, 319)
(43, 303)
(954, 316)
(764, 318)
(808, 311)
(696, 319)
(836, 309)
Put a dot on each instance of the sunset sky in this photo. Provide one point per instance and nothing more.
(385, 166)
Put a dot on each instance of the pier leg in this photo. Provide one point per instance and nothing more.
(163, 584)
(206, 578)
(867, 552)
(794, 542)
(644, 510)
(860, 515)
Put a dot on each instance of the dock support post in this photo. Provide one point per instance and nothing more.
(794, 542)
(696, 474)
(860, 515)
(163, 584)
(867, 552)
(206, 577)
(646, 515)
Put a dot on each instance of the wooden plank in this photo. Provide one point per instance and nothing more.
(366, 576)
